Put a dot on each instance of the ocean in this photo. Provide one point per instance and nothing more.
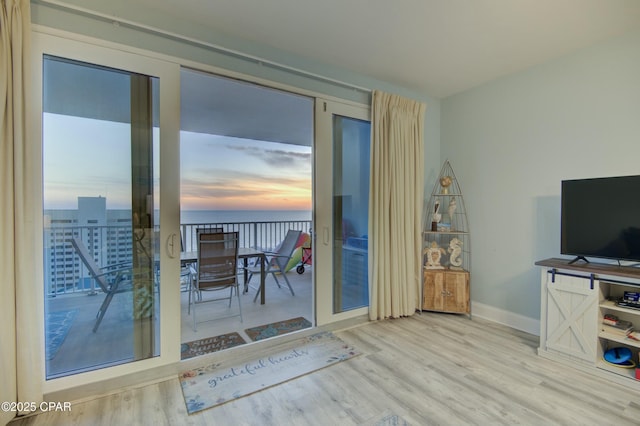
(227, 216)
(265, 236)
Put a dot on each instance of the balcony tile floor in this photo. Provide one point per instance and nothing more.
(113, 342)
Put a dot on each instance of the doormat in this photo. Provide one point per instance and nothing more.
(206, 387)
(277, 328)
(210, 344)
(57, 327)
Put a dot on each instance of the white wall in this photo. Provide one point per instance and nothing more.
(512, 141)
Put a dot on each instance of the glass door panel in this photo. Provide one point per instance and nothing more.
(341, 210)
(100, 196)
(351, 141)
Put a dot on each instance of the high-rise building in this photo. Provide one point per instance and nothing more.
(106, 233)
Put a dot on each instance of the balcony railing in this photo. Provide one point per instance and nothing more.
(65, 274)
(262, 235)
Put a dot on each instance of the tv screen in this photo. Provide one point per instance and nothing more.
(601, 218)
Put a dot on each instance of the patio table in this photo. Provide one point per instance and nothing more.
(244, 253)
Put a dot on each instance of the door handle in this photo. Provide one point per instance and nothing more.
(171, 246)
(325, 235)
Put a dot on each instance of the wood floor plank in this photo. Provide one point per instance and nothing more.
(430, 369)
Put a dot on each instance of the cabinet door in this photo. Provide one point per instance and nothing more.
(572, 312)
(433, 297)
(446, 291)
(456, 296)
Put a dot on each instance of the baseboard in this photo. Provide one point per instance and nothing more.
(513, 320)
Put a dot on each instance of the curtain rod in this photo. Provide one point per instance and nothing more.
(220, 49)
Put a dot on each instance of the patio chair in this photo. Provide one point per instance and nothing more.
(277, 261)
(188, 269)
(209, 230)
(216, 269)
(120, 283)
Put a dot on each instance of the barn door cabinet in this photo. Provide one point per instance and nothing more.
(571, 311)
(574, 300)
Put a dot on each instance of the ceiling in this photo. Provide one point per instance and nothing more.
(437, 47)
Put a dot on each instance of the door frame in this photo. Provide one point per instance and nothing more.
(325, 109)
(46, 40)
(168, 74)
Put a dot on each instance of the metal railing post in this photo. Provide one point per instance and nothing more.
(255, 234)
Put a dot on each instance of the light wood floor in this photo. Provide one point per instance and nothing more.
(430, 369)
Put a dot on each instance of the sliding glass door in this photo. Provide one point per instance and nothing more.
(103, 266)
(351, 141)
(112, 144)
(342, 200)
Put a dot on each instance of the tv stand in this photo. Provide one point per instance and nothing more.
(577, 259)
(574, 300)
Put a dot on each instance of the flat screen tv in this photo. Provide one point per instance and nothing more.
(600, 217)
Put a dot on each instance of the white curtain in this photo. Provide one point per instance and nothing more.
(395, 205)
(20, 331)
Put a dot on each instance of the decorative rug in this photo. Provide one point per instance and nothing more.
(277, 328)
(206, 387)
(391, 420)
(57, 327)
(210, 344)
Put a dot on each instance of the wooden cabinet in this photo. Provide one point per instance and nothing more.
(446, 291)
(574, 300)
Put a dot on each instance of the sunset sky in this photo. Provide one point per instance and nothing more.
(225, 173)
(90, 158)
